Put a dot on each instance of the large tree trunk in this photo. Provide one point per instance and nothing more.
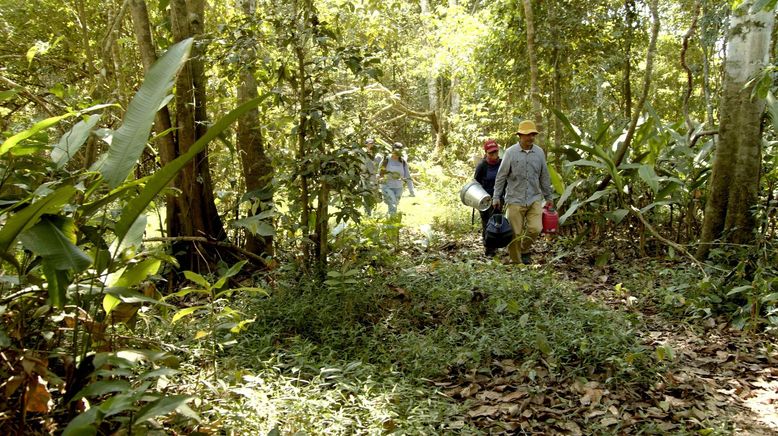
(162, 123)
(257, 169)
(195, 211)
(734, 182)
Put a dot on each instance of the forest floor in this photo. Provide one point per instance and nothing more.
(718, 379)
(424, 335)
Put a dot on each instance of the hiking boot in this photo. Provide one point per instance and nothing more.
(526, 259)
(490, 252)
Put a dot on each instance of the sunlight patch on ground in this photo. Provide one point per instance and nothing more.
(764, 403)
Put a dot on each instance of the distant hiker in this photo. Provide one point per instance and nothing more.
(394, 170)
(524, 182)
(486, 174)
(370, 182)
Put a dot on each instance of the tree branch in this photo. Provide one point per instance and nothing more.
(635, 211)
(250, 255)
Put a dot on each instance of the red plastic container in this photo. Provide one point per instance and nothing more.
(550, 220)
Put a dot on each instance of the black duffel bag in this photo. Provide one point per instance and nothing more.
(499, 232)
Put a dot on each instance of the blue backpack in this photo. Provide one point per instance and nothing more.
(499, 232)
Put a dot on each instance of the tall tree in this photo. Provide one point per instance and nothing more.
(533, 65)
(195, 212)
(734, 183)
(257, 168)
(162, 125)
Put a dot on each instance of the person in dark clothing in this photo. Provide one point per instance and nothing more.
(486, 174)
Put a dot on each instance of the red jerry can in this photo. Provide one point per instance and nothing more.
(550, 220)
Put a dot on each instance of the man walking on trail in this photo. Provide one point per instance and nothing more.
(524, 182)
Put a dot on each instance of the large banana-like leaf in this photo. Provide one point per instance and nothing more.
(161, 178)
(130, 139)
(53, 239)
(73, 140)
(27, 217)
(11, 142)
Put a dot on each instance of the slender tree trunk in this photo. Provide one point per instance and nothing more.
(195, 212)
(630, 16)
(624, 147)
(533, 69)
(257, 169)
(162, 124)
(734, 183)
(689, 77)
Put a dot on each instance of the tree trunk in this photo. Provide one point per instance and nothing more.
(257, 168)
(624, 147)
(533, 71)
(734, 182)
(195, 211)
(629, 6)
(162, 123)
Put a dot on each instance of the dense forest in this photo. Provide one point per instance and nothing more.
(199, 235)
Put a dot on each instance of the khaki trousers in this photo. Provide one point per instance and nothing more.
(527, 223)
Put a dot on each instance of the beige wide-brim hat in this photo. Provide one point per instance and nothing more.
(526, 127)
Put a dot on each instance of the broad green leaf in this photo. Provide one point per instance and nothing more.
(257, 225)
(588, 163)
(197, 278)
(28, 217)
(110, 303)
(567, 124)
(89, 209)
(135, 274)
(769, 298)
(72, 141)
(252, 290)
(234, 269)
(83, 424)
(597, 195)
(11, 142)
(57, 282)
(130, 139)
(131, 296)
(160, 407)
(53, 239)
(8, 94)
(739, 289)
(133, 238)
(161, 178)
(617, 215)
(648, 175)
(556, 180)
(568, 192)
(102, 387)
(573, 206)
(185, 312)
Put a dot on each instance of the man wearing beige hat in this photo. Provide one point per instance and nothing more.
(524, 181)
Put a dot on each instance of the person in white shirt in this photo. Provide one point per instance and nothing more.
(394, 171)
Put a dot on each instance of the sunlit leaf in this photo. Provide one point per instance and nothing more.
(185, 312)
(28, 217)
(53, 239)
(160, 407)
(130, 139)
(72, 141)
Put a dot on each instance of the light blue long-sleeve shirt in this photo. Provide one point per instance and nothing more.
(523, 176)
(395, 172)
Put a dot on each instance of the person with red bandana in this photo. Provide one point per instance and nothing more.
(486, 174)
